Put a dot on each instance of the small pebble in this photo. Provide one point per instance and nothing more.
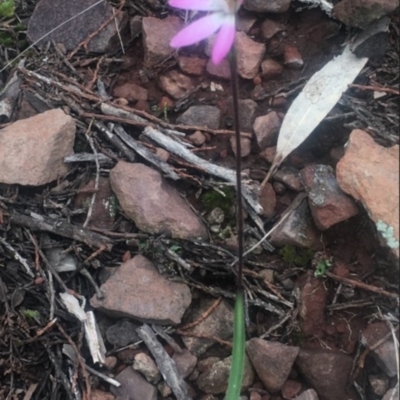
(292, 58)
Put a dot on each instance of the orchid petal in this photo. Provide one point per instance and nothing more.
(224, 40)
(199, 5)
(198, 30)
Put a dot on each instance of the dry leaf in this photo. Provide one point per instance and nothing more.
(317, 98)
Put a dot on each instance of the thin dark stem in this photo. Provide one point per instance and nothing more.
(239, 206)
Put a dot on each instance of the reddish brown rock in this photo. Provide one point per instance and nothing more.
(370, 174)
(130, 91)
(360, 13)
(157, 34)
(290, 389)
(245, 145)
(245, 23)
(271, 69)
(221, 70)
(269, 154)
(137, 290)
(270, 28)
(192, 65)
(249, 55)
(313, 297)
(272, 361)
(176, 84)
(32, 150)
(327, 372)
(268, 200)
(309, 394)
(100, 395)
(328, 203)
(197, 138)
(292, 58)
(266, 129)
(152, 203)
(185, 362)
(290, 177)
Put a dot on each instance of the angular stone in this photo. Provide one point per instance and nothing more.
(269, 28)
(312, 301)
(32, 150)
(185, 362)
(379, 384)
(130, 92)
(219, 324)
(154, 205)
(392, 393)
(298, 229)
(197, 138)
(268, 200)
(292, 58)
(269, 154)
(221, 70)
(137, 290)
(309, 394)
(272, 361)
(214, 379)
(290, 177)
(122, 333)
(370, 174)
(249, 55)
(328, 203)
(266, 129)
(326, 371)
(290, 389)
(192, 65)
(157, 34)
(245, 146)
(245, 23)
(133, 386)
(100, 395)
(271, 69)
(274, 6)
(176, 84)
(247, 109)
(147, 367)
(49, 14)
(361, 13)
(208, 116)
(385, 354)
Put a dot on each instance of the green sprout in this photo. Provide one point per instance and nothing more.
(31, 314)
(213, 199)
(300, 257)
(7, 8)
(322, 267)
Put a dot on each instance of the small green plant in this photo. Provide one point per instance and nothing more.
(292, 255)
(7, 8)
(31, 314)
(322, 266)
(212, 199)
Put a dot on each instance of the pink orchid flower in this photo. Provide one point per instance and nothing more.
(221, 17)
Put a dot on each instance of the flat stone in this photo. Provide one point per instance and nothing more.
(309, 394)
(269, 28)
(271, 69)
(361, 13)
(144, 364)
(32, 150)
(133, 386)
(221, 70)
(247, 110)
(197, 138)
(208, 116)
(245, 146)
(192, 65)
(245, 23)
(185, 362)
(379, 384)
(273, 6)
(298, 229)
(292, 58)
(266, 128)
(385, 354)
(267, 199)
(290, 177)
(326, 371)
(154, 205)
(272, 361)
(157, 34)
(328, 203)
(249, 55)
(176, 84)
(137, 290)
(214, 379)
(219, 324)
(369, 172)
(130, 91)
(290, 389)
(122, 333)
(49, 14)
(312, 300)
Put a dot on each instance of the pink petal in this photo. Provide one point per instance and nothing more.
(198, 30)
(224, 40)
(200, 5)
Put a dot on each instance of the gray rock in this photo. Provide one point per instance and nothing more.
(290, 177)
(214, 378)
(137, 290)
(32, 150)
(49, 14)
(328, 203)
(219, 324)
(271, 6)
(185, 362)
(147, 367)
(133, 386)
(379, 384)
(208, 116)
(392, 394)
(309, 394)
(152, 203)
(247, 109)
(249, 55)
(266, 129)
(326, 371)
(122, 333)
(272, 361)
(157, 34)
(298, 229)
(245, 146)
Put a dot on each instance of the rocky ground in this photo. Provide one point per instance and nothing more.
(117, 187)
